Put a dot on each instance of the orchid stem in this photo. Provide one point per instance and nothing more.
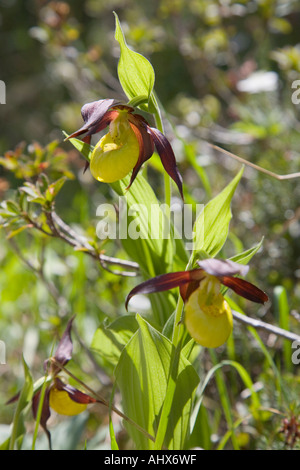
(177, 327)
(167, 181)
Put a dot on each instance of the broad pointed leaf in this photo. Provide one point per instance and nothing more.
(212, 225)
(142, 376)
(135, 72)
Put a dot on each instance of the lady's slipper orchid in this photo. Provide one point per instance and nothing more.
(207, 316)
(60, 397)
(129, 143)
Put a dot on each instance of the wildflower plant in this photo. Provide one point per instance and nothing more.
(155, 358)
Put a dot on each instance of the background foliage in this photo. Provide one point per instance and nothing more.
(54, 57)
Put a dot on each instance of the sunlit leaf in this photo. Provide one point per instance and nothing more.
(18, 428)
(142, 376)
(109, 340)
(247, 255)
(212, 225)
(135, 72)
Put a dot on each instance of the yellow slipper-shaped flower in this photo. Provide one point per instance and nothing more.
(113, 159)
(60, 401)
(208, 317)
(129, 143)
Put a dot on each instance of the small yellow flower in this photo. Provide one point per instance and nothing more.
(59, 396)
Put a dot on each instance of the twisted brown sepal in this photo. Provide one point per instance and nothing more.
(97, 115)
(146, 145)
(167, 157)
(245, 289)
(74, 394)
(225, 270)
(45, 414)
(165, 282)
(64, 350)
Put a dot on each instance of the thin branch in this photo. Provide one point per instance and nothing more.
(258, 324)
(252, 165)
(78, 241)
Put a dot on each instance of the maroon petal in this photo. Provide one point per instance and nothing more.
(75, 394)
(146, 146)
(165, 282)
(167, 157)
(45, 415)
(245, 289)
(13, 399)
(64, 349)
(187, 289)
(218, 267)
(96, 115)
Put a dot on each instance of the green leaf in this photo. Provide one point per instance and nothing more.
(113, 440)
(85, 149)
(147, 238)
(212, 225)
(54, 188)
(147, 232)
(18, 428)
(282, 311)
(109, 341)
(142, 376)
(135, 72)
(33, 194)
(13, 233)
(245, 256)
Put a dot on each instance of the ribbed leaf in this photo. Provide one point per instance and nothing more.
(135, 72)
(142, 376)
(212, 225)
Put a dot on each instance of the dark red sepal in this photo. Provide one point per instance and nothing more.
(45, 415)
(96, 115)
(75, 394)
(245, 289)
(146, 144)
(64, 350)
(167, 157)
(165, 282)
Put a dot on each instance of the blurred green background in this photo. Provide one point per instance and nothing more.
(224, 74)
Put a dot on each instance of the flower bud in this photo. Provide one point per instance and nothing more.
(208, 316)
